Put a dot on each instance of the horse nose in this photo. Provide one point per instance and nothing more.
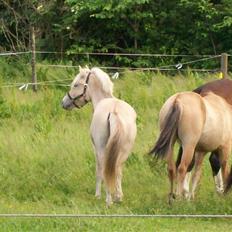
(63, 105)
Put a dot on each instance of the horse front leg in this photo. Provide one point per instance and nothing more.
(223, 159)
(99, 174)
(217, 174)
(171, 175)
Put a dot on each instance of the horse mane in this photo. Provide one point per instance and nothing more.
(104, 79)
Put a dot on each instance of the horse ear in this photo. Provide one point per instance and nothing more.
(86, 66)
(80, 69)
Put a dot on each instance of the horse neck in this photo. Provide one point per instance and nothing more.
(98, 95)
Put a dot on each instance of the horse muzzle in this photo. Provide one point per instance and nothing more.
(66, 103)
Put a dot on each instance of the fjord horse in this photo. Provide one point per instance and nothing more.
(201, 125)
(113, 127)
(222, 88)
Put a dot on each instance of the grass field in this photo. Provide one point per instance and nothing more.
(47, 163)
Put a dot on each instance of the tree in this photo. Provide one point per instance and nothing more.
(135, 26)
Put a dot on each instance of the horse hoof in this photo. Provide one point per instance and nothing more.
(109, 201)
(109, 204)
(98, 196)
(118, 199)
(221, 191)
(188, 196)
(171, 198)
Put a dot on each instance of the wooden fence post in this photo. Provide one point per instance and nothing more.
(224, 65)
(33, 60)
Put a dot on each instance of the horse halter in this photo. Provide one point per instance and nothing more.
(73, 99)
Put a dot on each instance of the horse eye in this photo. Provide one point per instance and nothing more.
(75, 85)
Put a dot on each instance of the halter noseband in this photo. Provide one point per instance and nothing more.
(73, 99)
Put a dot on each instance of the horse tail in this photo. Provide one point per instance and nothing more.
(228, 182)
(168, 132)
(112, 151)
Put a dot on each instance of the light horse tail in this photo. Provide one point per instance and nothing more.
(113, 150)
(168, 132)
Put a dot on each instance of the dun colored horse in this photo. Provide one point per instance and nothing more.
(222, 88)
(201, 125)
(113, 127)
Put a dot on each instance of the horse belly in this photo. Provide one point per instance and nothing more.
(99, 130)
(207, 144)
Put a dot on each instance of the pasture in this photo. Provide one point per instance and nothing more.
(47, 163)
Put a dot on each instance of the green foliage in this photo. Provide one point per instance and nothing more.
(177, 26)
(5, 111)
(141, 26)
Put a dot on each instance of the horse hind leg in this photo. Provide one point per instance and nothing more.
(118, 193)
(123, 156)
(171, 175)
(99, 174)
(188, 174)
(109, 201)
(187, 156)
(186, 186)
(179, 156)
(187, 178)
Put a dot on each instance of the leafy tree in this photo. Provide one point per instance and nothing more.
(134, 26)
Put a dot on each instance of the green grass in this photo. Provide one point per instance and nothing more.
(47, 163)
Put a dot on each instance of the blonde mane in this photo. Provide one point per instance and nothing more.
(102, 76)
(104, 79)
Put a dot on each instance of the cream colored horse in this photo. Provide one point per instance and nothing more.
(200, 124)
(113, 127)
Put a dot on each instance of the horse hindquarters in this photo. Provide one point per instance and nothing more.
(180, 120)
(190, 127)
(169, 118)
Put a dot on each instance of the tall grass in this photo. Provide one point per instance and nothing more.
(47, 163)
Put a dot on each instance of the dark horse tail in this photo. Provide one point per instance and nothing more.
(168, 132)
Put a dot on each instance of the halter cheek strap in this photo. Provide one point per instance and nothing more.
(73, 99)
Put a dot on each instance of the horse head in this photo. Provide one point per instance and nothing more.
(83, 90)
(78, 94)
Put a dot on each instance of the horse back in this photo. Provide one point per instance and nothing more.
(222, 88)
(122, 108)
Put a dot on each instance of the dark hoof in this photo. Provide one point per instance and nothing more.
(171, 198)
